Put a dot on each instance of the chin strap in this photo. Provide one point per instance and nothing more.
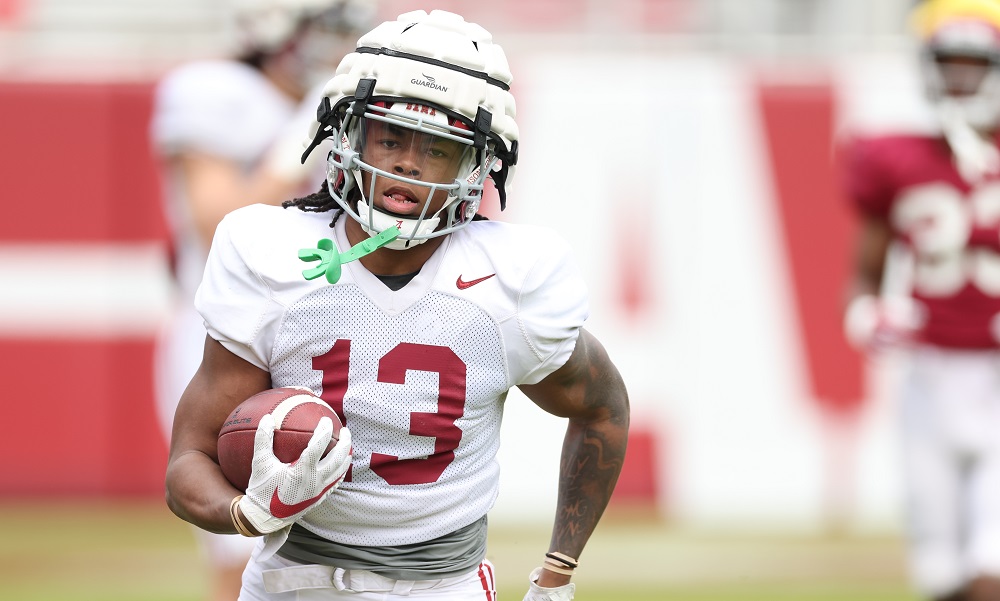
(330, 259)
(406, 227)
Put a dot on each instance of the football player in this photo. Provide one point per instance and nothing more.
(222, 130)
(927, 279)
(387, 295)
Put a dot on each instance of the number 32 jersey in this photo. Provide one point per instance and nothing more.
(419, 375)
(952, 228)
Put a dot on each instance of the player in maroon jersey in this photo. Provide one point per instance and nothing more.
(927, 279)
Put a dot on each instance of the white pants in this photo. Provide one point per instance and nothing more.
(951, 453)
(280, 579)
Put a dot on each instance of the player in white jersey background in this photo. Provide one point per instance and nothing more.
(226, 132)
(927, 279)
(385, 294)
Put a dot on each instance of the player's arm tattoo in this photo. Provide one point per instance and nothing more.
(594, 398)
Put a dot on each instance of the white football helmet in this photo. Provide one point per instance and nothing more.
(428, 81)
(268, 25)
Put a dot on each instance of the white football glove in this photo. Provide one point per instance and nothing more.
(539, 593)
(875, 324)
(279, 493)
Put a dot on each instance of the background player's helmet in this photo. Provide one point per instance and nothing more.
(960, 57)
(434, 75)
(266, 26)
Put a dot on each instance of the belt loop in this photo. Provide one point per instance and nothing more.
(338, 579)
(402, 587)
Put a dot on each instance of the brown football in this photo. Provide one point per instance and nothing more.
(296, 412)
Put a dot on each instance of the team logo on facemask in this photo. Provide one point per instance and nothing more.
(428, 82)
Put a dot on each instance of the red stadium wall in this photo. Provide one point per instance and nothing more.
(78, 412)
(818, 230)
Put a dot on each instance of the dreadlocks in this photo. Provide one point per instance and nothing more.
(319, 201)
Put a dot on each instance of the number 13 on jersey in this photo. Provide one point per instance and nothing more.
(439, 425)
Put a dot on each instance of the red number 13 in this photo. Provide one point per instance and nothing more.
(392, 369)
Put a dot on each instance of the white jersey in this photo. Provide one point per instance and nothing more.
(221, 108)
(419, 375)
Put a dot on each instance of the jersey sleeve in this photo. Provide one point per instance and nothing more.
(865, 176)
(552, 307)
(200, 108)
(238, 307)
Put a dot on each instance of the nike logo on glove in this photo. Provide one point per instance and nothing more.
(462, 284)
(281, 511)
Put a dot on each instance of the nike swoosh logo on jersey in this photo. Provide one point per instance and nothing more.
(462, 284)
(280, 510)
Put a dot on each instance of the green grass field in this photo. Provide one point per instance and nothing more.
(140, 552)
